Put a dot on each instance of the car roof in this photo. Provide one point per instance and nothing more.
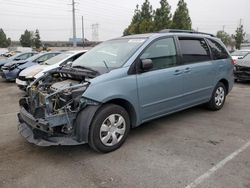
(244, 50)
(75, 51)
(169, 32)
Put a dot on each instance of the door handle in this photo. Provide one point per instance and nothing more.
(187, 70)
(177, 72)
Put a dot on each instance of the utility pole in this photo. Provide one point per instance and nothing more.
(74, 23)
(83, 37)
(241, 22)
(223, 28)
(95, 32)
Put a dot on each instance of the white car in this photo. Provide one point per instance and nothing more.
(30, 74)
(239, 54)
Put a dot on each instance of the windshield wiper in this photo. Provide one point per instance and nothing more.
(106, 65)
(87, 68)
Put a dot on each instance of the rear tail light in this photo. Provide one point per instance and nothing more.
(233, 61)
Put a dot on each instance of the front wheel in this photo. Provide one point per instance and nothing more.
(218, 97)
(109, 128)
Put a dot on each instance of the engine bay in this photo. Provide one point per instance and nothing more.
(58, 91)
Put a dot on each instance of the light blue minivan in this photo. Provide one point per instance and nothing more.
(122, 83)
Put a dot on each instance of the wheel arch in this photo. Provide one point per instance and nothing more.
(86, 115)
(226, 84)
(128, 107)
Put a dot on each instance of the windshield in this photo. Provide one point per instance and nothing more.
(240, 53)
(247, 57)
(58, 58)
(32, 58)
(14, 56)
(111, 54)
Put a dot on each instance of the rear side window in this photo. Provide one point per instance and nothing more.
(218, 51)
(194, 50)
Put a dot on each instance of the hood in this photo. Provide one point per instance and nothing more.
(11, 63)
(243, 63)
(4, 61)
(32, 71)
(26, 65)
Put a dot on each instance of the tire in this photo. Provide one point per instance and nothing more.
(109, 128)
(218, 97)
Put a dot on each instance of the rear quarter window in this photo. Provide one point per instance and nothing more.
(218, 51)
(194, 50)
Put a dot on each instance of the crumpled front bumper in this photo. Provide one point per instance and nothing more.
(242, 75)
(9, 75)
(36, 131)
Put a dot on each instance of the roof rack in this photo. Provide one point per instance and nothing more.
(184, 31)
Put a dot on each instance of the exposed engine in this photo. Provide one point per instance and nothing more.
(58, 92)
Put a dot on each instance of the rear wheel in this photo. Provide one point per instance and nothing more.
(109, 128)
(218, 97)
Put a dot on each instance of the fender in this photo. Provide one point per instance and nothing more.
(83, 122)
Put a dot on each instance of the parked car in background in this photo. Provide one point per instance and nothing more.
(11, 53)
(30, 74)
(11, 70)
(123, 83)
(3, 51)
(238, 54)
(17, 57)
(242, 69)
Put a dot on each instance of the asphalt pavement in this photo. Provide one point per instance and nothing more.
(193, 148)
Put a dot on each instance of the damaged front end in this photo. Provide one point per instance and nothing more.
(242, 72)
(49, 111)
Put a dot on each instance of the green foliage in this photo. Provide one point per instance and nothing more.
(4, 41)
(133, 28)
(239, 37)
(26, 39)
(181, 18)
(225, 38)
(162, 16)
(31, 39)
(37, 42)
(142, 21)
(146, 20)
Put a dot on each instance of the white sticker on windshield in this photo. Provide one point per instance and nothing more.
(136, 40)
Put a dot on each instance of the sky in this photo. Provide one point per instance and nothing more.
(53, 18)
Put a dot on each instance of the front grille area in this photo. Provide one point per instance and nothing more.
(242, 68)
(5, 68)
(2, 74)
(22, 78)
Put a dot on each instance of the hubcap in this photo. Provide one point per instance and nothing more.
(219, 96)
(112, 130)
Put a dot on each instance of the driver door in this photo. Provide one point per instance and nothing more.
(160, 89)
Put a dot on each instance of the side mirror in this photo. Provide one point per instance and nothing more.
(40, 62)
(146, 64)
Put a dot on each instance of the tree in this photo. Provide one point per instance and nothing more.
(37, 42)
(142, 21)
(133, 28)
(162, 16)
(239, 37)
(26, 39)
(146, 24)
(4, 41)
(225, 37)
(181, 18)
